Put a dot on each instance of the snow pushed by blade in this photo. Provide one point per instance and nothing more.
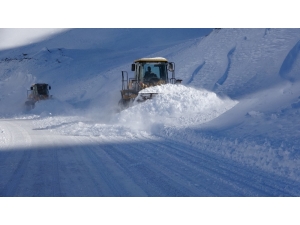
(175, 105)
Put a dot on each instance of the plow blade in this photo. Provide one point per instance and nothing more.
(145, 96)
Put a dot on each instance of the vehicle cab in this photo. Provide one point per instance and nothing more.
(39, 91)
(153, 71)
(147, 72)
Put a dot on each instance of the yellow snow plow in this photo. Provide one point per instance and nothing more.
(147, 72)
(37, 92)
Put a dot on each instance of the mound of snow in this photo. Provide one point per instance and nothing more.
(175, 105)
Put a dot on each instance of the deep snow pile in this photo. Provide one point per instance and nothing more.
(175, 106)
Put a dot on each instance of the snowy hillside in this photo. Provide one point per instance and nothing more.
(88, 61)
(238, 103)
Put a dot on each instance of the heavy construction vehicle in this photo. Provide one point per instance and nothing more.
(147, 72)
(37, 92)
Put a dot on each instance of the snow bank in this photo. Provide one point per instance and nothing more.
(175, 105)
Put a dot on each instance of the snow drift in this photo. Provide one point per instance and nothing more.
(175, 105)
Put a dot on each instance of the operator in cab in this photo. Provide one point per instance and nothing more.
(149, 74)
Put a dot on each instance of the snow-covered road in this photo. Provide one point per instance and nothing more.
(42, 162)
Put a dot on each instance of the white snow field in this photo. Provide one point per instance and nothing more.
(231, 129)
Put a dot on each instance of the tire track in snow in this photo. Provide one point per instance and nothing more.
(73, 177)
(106, 179)
(146, 173)
(186, 170)
(149, 167)
(206, 171)
(18, 165)
(28, 170)
(190, 172)
(102, 171)
(175, 171)
(236, 178)
(56, 190)
(256, 184)
(88, 177)
(13, 184)
(179, 176)
(147, 178)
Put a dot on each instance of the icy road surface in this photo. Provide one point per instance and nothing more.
(39, 162)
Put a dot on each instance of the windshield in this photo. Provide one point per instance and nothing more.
(154, 70)
(42, 89)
